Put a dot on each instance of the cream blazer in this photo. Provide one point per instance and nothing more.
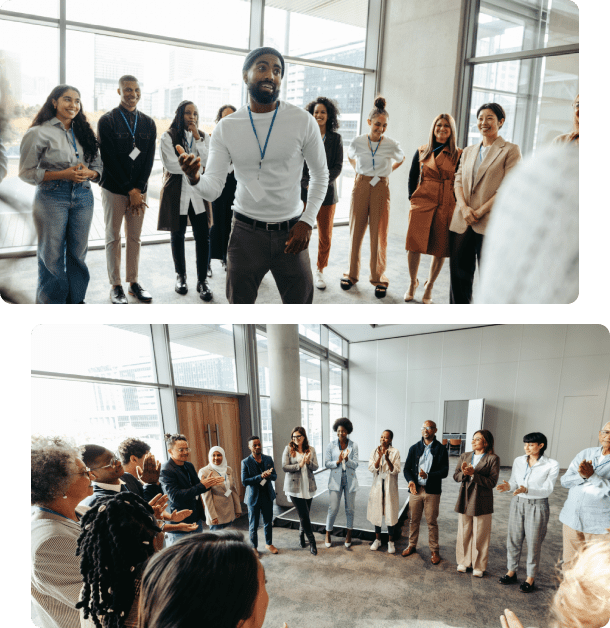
(501, 158)
(217, 506)
(377, 508)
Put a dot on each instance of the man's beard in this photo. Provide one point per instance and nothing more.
(261, 96)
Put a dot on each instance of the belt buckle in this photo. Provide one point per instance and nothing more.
(275, 226)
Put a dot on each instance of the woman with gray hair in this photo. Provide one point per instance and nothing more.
(60, 481)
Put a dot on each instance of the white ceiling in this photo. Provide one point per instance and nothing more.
(364, 333)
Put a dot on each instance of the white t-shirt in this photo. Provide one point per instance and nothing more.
(388, 150)
(169, 159)
(295, 135)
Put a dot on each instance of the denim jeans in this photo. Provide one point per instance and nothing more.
(220, 526)
(174, 537)
(63, 212)
(334, 501)
(264, 506)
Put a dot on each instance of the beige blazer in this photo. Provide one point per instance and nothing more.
(501, 158)
(377, 506)
(217, 506)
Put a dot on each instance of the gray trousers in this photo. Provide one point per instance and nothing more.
(252, 253)
(528, 519)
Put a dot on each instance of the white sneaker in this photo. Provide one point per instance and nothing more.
(391, 548)
(319, 280)
(461, 569)
(477, 573)
(376, 544)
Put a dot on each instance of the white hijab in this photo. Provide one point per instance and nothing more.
(220, 469)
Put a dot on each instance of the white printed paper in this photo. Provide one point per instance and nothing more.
(134, 153)
(263, 482)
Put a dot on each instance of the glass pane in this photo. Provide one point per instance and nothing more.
(203, 356)
(310, 331)
(267, 435)
(263, 364)
(230, 25)
(335, 389)
(46, 8)
(336, 412)
(311, 385)
(331, 31)
(311, 420)
(335, 343)
(103, 414)
(526, 25)
(167, 75)
(112, 351)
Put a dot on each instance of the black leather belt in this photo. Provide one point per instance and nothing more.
(285, 225)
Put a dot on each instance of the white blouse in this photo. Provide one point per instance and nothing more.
(539, 479)
(386, 151)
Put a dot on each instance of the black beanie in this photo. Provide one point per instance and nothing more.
(259, 52)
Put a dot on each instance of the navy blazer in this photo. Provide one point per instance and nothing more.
(183, 492)
(100, 493)
(438, 471)
(251, 478)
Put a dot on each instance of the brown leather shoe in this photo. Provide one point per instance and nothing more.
(272, 549)
(435, 559)
(410, 550)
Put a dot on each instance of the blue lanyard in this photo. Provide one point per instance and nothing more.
(74, 143)
(135, 124)
(54, 513)
(324, 138)
(262, 150)
(371, 147)
(191, 144)
(438, 148)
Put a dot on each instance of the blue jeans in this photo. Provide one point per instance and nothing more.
(174, 537)
(334, 500)
(63, 212)
(220, 526)
(264, 506)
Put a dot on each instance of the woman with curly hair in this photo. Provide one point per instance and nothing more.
(178, 204)
(60, 481)
(374, 156)
(326, 113)
(60, 156)
(118, 537)
(341, 457)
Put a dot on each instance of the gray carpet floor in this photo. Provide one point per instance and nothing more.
(359, 588)
(157, 275)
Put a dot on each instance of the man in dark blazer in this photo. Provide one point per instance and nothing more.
(257, 473)
(426, 467)
(106, 472)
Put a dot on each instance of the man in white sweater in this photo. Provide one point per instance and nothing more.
(266, 141)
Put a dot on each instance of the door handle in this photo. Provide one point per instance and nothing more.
(217, 436)
(209, 436)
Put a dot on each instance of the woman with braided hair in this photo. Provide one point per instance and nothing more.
(118, 537)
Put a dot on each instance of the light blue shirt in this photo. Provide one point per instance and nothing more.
(587, 508)
(331, 456)
(425, 462)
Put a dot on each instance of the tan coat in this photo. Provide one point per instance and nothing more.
(477, 491)
(501, 158)
(217, 506)
(376, 507)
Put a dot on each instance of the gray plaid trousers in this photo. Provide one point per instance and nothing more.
(528, 519)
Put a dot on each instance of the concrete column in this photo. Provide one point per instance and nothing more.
(285, 392)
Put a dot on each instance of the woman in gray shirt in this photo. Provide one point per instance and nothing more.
(60, 156)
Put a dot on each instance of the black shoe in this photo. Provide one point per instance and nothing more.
(302, 538)
(205, 294)
(209, 270)
(181, 287)
(139, 293)
(117, 296)
(526, 587)
(509, 579)
(312, 544)
(224, 265)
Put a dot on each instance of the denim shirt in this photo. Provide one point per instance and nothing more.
(330, 462)
(587, 508)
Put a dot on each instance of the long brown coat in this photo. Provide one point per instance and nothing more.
(217, 506)
(476, 492)
(432, 204)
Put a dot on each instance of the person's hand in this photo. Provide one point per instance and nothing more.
(586, 469)
(510, 620)
(308, 457)
(505, 486)
(90, 174)
(214, 522)
(190, 164)
(158, 504)
(76, 174)
(284, 625)
(183, 527)
(298, 238)
(468, 215)
(195, 131)
(302, 462)
(464, 466)
(478, 213)
(136, 202)
(212, 481)
(520, 490)
(413, 488)
(422, 474)
(468, 469)
(158, 541)
(151, 470)
(180, 515)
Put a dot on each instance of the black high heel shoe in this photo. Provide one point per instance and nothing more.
(302, 538)
(312, 544)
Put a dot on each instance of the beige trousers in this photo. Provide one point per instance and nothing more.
(115, 209)
(370, 206)
(427, 504)
(472, 547)
(575, 542)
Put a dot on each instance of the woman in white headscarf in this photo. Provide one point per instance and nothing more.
(221, 502)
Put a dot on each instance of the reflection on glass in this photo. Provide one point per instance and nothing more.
(310, 331)
(263, 364)
(311, 385)
(336, 412)
(335, 342)
(335, 391)
(267, 428)
(112, 351)
(311, 420)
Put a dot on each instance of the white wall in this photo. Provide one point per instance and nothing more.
(553, 379)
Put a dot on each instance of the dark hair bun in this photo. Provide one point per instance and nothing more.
(167, 436)
(380, 103)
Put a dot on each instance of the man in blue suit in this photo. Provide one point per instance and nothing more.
(257, 473)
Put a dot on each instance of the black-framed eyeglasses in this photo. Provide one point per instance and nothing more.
(297, 436)
(183, 450)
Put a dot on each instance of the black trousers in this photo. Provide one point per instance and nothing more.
(199, 222)
(390, 530)
(465, 250)
(303, 507)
